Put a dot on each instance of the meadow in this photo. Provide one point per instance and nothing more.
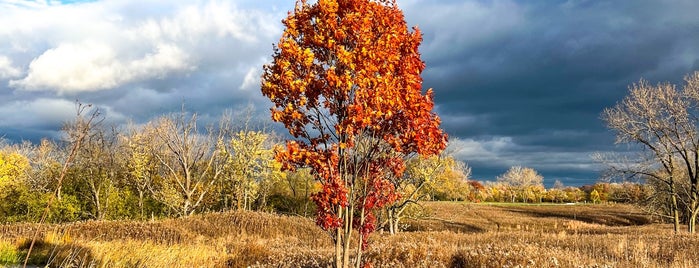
(445, 234)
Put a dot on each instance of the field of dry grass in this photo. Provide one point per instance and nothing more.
(450, 235)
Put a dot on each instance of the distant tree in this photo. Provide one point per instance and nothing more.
(476, 191)
(498, 192)
(556, 195)
(595, 197)
(424, 177)
(13, 170)
(558, 185)
(452, 183)
(523, 180)
(140, 150)
(250, 167)
(191, 160)
(345, 81)
(96, 170)
(574, 194)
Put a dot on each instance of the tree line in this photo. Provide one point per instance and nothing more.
(171, 167)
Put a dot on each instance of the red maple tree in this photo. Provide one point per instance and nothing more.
(345, 81)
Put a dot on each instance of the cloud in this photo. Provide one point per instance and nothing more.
(134, 59)
(6, 68)
(490, 157)
(42, 112)
(116, 49)
(453, 27)
(92, 66)
(516, 82)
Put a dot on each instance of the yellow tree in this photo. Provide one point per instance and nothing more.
(46, 166)
(251, 166)
(13, 170)
(140, 149)
(452, 183)
(13, 167)
(345, 81)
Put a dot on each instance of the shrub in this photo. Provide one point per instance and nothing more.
(8, 254)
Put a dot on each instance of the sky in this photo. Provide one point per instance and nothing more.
(515, 82)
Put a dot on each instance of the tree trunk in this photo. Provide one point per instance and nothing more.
(693, 220)
(396, 221)
(246, 204)
(693, 210)
(358, 261)
(675, 213)
(140, 202)
(98, 211)
(347, 236)
(185, 209)
(338, 242)
(391, 229)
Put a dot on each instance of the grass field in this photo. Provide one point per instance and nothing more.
(449, 235)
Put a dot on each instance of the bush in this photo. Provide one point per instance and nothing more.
(8, 254)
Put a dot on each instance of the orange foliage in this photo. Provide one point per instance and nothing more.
(345, 81)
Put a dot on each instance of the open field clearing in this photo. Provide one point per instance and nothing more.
(448, 235)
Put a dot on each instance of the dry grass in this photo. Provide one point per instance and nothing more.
(454, 235)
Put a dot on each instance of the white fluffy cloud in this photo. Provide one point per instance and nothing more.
(92, 66)
(107, 45)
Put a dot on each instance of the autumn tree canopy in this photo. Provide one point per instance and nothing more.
(345, 81)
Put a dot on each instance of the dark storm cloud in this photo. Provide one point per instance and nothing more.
(540, 72)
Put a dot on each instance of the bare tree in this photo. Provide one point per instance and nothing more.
(191, 161)
(96, 167)
(663, 121)
(521, 180)
(45, 159)
(643, 166)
